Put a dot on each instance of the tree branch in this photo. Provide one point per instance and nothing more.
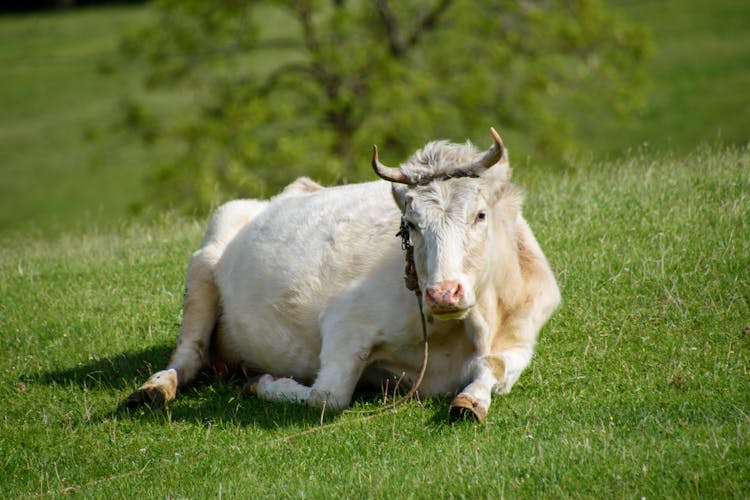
(304, 13)
(392, 31)
(277, 43)
(310, 35)
(427, 22)
(277, 74)
(396, 43)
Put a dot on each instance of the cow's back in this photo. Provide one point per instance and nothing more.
(282, 271)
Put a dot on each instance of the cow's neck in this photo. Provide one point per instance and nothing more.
(506, 279)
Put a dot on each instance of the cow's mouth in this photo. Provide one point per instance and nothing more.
(445, 314)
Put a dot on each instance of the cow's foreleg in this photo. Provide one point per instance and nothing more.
(503, 352)
(270, 388)
(493, 373)
(199, 315)
(474, 400)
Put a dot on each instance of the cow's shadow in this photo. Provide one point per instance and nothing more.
(209, 400)
(114, 372)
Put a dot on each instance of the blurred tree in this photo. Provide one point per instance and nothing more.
(306, 87)
(32, 5)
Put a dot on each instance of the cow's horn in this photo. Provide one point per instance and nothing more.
(387, 173)
(495, 153)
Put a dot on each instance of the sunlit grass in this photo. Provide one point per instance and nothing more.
(698, 76)
(65, 164)
(638, 388)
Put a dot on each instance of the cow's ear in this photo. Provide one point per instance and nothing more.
(495, 180)
(399, 195)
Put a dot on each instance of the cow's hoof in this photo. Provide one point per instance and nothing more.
(150, 396)
(465, 407)
(250, 388)
(158, 389)
(253, 383)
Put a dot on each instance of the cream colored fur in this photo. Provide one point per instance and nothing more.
(308, 288)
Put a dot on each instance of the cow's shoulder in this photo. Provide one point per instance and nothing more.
(301, 185)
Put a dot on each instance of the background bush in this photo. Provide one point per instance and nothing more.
(306, 87)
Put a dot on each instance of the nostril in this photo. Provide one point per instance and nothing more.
(432, 295)
(448, 294)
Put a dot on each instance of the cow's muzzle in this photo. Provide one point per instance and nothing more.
(446, 300)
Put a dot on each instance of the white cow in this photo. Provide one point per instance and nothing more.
(307, 288)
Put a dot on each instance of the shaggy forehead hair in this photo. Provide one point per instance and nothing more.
(438, 159)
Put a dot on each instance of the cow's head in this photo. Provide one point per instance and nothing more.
(448, 195)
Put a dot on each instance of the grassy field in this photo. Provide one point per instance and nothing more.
(63, 163)
(699, 75)
(639, 387)
(65, 167)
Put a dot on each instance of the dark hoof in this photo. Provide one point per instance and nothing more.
(146, 396)
(464, 407)
(250, 389)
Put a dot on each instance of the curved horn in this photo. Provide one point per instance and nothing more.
(495, 153)
(387, 173)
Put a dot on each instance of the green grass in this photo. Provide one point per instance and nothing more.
(699, 75)
(63, 164)
(640, 382)
(62, 167)
(639, 387)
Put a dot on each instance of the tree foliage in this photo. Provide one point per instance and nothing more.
(306, 87)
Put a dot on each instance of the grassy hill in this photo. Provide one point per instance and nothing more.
(63, 166)
(638, 387)
(62, 163)
(699, 76)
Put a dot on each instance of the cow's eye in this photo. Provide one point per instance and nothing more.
(481, 215)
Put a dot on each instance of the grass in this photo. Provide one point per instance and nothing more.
(699, 75)
(640, 382)
(63, 167)
(638, 388)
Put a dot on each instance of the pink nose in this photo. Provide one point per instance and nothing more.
(446, 295)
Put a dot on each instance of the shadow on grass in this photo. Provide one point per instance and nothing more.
(220, 403)
(117, 372)
(210, 400)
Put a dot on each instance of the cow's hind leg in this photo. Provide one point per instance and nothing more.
(201, 307)
(343, 359)
(200, 312)
(333, 387)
